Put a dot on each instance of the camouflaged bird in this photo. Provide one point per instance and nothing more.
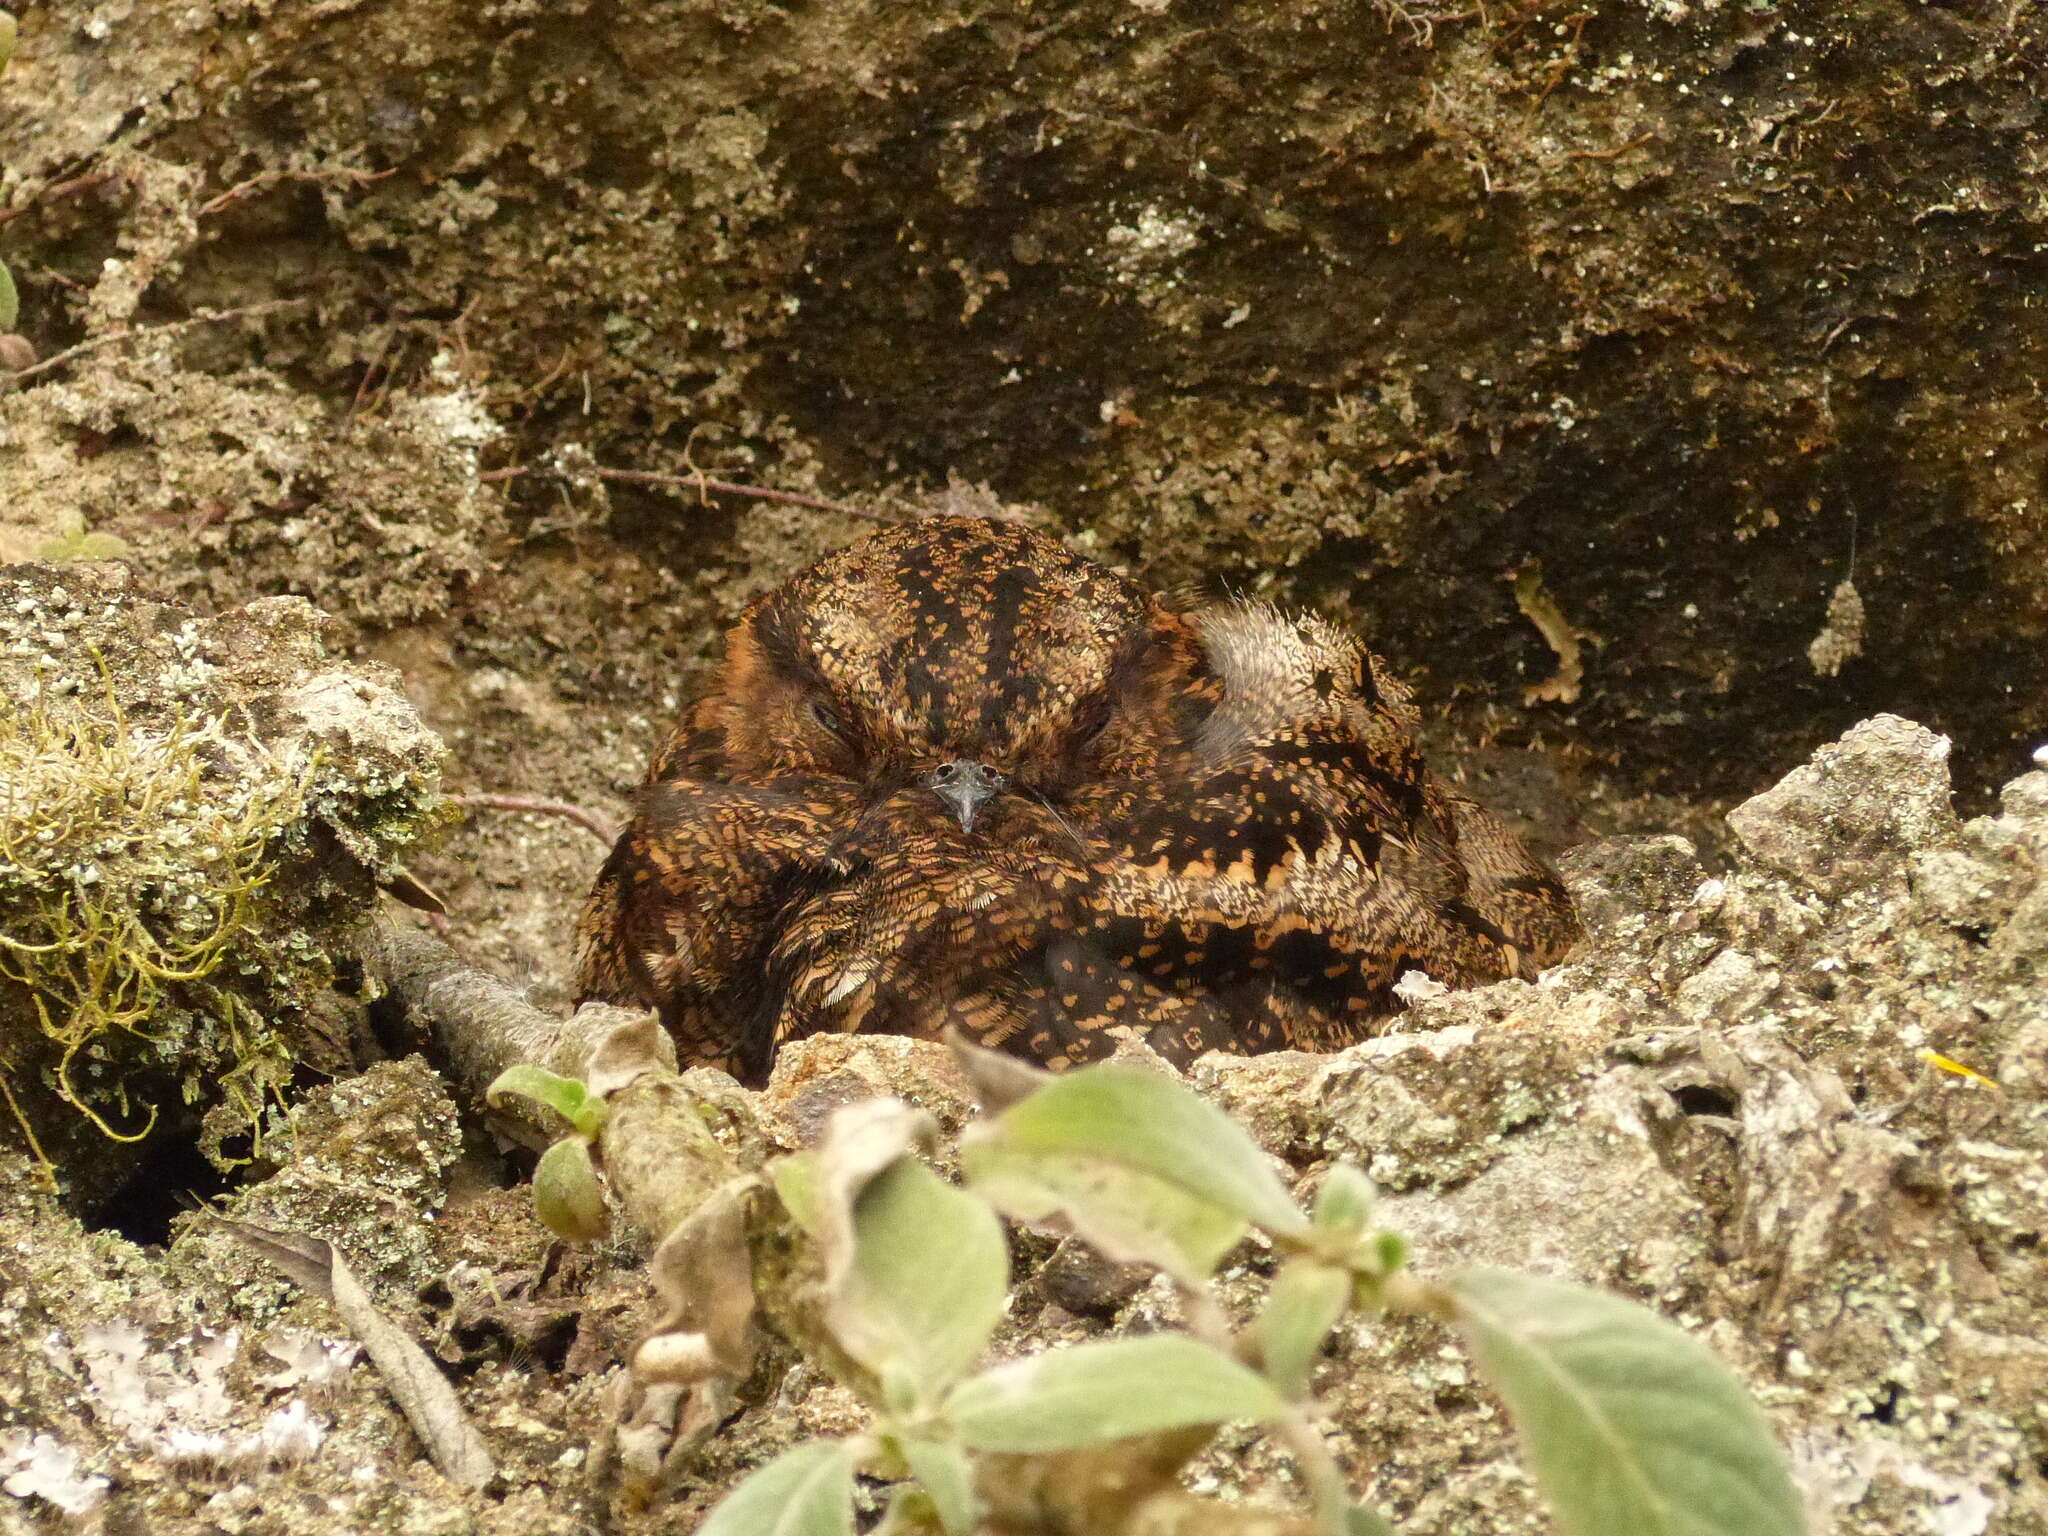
(956, 775)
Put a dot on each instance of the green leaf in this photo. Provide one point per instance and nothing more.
(1113, 1121)
(10, 301)
(1628, 1423)
(566, 1194)
(910, 1512)
(1361, 1521)
(930, 1272)
(804, 1492)
(1303, 1305)
(795, 1178)
(1344, 1201)
(941, 1470)
(1068, 1398)
(564, 1095)
(1389, 1251)
(1130, 1216)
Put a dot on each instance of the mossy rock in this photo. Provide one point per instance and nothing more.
(193, 813)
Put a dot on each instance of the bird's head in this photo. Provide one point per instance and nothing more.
(977, 658)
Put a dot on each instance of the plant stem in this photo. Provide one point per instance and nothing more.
(703, 485)
(1327, 1487)
(590, 821)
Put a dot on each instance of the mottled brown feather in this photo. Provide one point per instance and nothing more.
(1217, 829)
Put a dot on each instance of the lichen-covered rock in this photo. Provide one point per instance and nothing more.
(225, 488)
(362, 1163)
(820, 1073)
(193, 813)
(1632, 880)
(1848, 819)
(1745, 1103)
(1764, 1128)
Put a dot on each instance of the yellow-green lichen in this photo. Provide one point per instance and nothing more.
(134, 867)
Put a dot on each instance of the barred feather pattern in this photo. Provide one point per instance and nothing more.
(1215, 828)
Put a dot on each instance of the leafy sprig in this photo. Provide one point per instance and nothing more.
(1626, 1422)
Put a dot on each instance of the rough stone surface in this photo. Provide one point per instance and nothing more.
(1368, 305)
(1743, 1103)
(1640, 333)
(1845, 820)
(1509, 335)
(364, 1164)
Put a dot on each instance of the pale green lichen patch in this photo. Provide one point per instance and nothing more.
(192, 813)
(134, 877)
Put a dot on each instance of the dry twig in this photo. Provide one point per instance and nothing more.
(1608, 154)
(590, 821)
(703, 485)
(481, 1024)
(1563, 637)
(257, 183)
(417, 1385)
(61, 189)
(130, 333)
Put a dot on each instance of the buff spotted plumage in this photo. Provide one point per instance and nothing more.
(957, 775)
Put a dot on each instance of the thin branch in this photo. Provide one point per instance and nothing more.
(204, 317)
(590, 821)
(481, 1024)
(255, 184)
(355, 405)
(703, 485)
(660, 1157)
(1608, 154)
(419, 1386)
(61, 189)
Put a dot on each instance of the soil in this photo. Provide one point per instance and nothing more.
(1580, 356)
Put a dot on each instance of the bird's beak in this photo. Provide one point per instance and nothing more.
(965, 787)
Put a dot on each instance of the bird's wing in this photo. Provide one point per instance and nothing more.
(1300, 845)
(681, 913)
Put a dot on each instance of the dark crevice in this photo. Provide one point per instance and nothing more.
(170, 1175)
(1706, 1099)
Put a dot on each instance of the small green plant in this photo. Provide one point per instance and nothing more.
(74, 542)
(1627, 1424)
(566, 1194)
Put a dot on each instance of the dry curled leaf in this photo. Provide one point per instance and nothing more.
(421, 1391)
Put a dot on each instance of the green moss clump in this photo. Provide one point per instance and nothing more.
(134, 876)
(194, 817)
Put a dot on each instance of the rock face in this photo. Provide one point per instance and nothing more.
(1747, 1102)
(1844, 821)
(1812, 1127)
(1367, 306)
(194, 814)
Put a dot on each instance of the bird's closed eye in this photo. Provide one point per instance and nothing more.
(1093, 722)
(825, 716)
